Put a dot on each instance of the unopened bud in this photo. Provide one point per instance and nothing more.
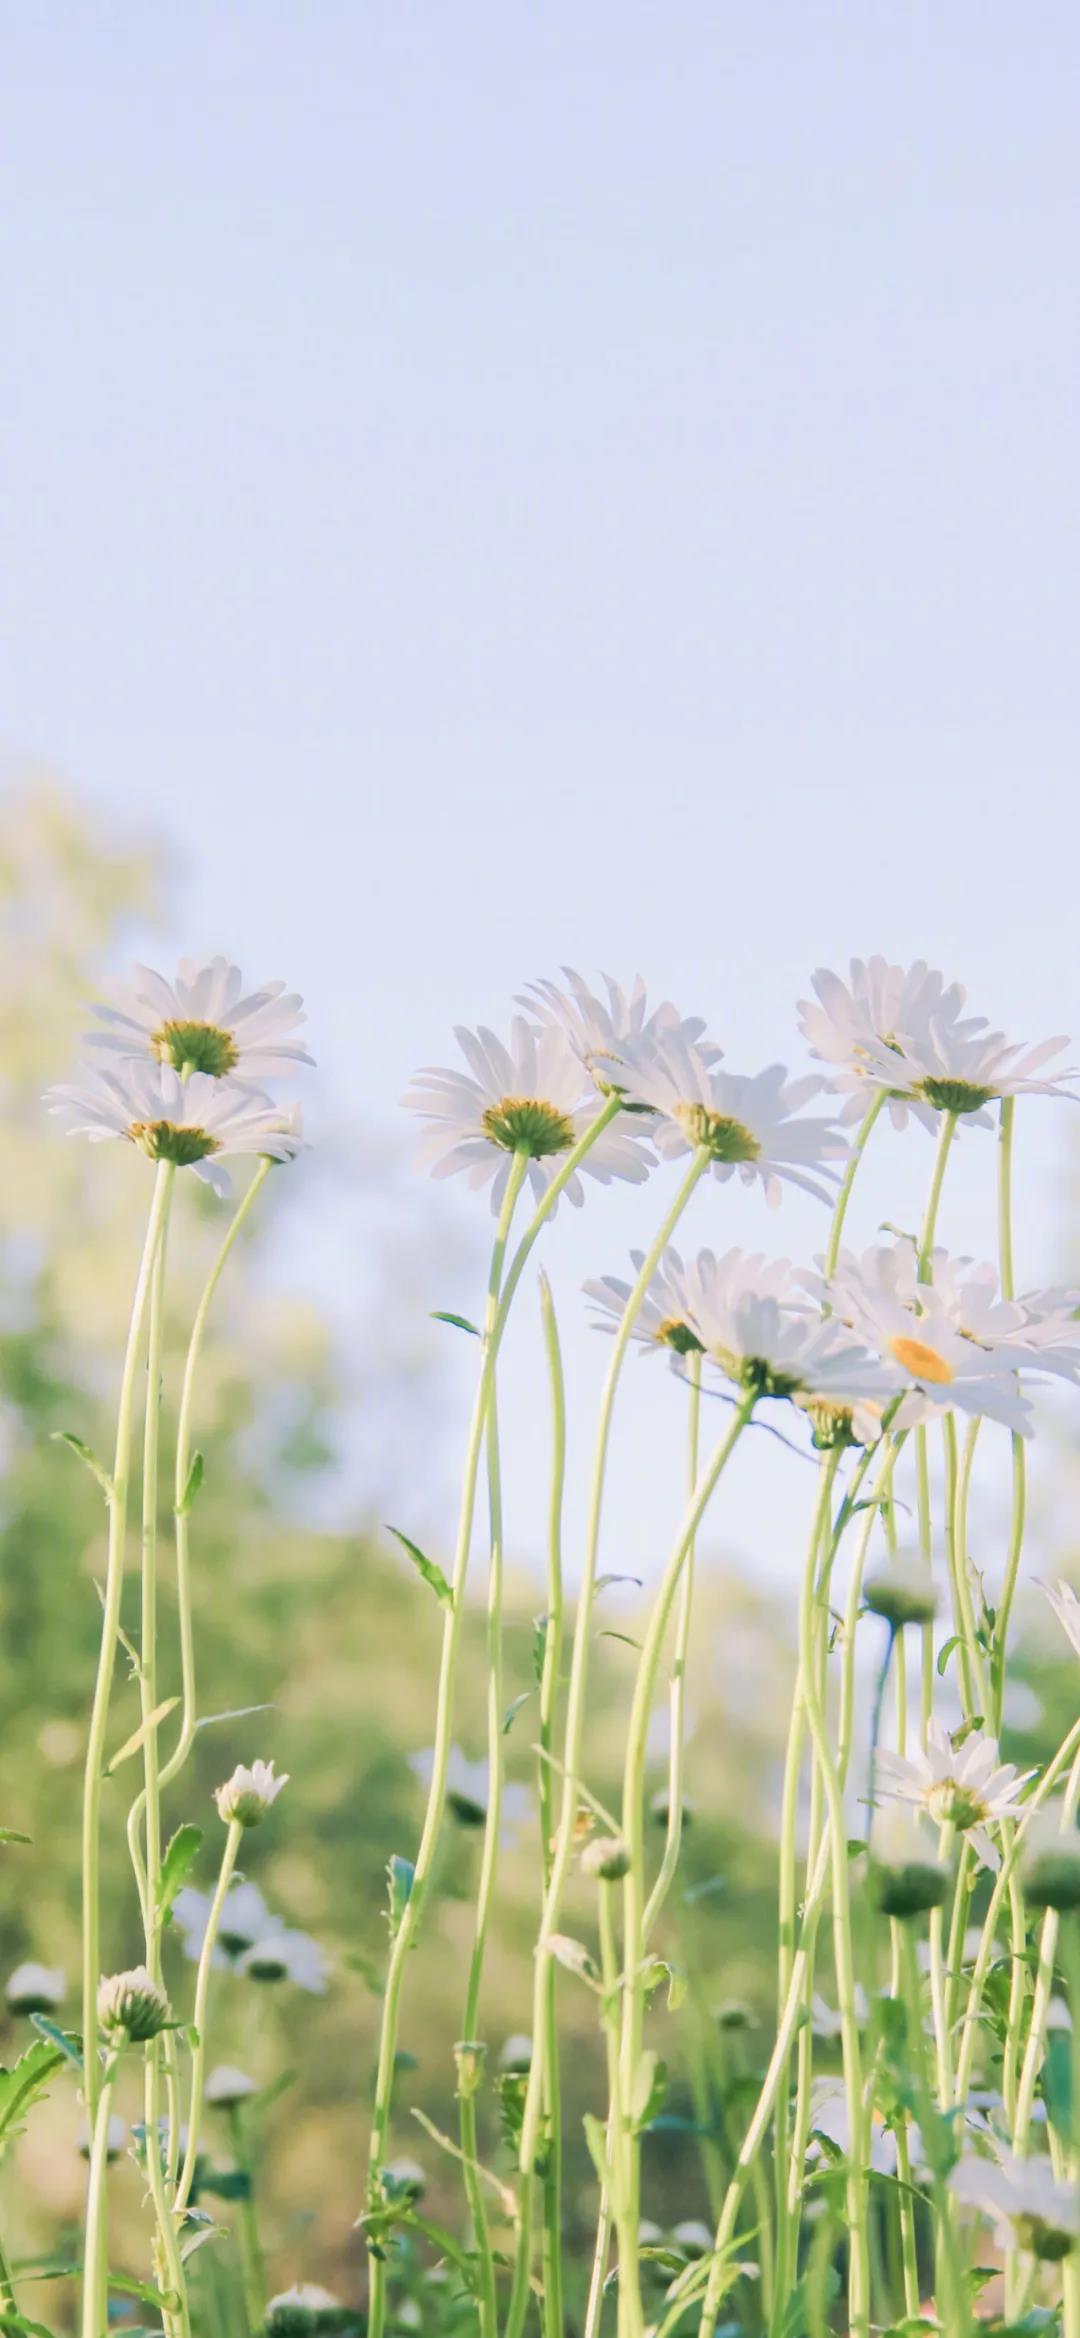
(131, 2006)
(904, 1592)
(470, 2055)
(1050, 1864)
(907, 1879)
(607, 1857)
(247, 1795)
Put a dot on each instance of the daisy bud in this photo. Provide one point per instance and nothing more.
(131, 2007)
(227, 2087)
(247, 1795)
(470, 2055)
(660, 1807)
(296, 2311)
(907, 1879)
(692, 2239)
(1050, 1864)
(903, 1593)
(733, 2015)
(515, 2053)
(607, 1857)
(115, 2139)
(35, 1989)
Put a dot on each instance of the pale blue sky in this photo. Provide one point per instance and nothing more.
(503, 485)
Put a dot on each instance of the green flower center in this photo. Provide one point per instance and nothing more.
(196, 1047)
(952, 1804)
(726, 1139)
(163, 1140)
(755, 1372)
(526, 1124)
(955, 1095)
(1041, 2239)
(467, 1812)
(674, 1333)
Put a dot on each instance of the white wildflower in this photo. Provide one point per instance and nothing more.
(203, 1021)
(600, 1028)
(749, 1124)
(227, 2086)
(286, 1956)
(1031, 2209)
(911, 1327)
(963, 1067)
(857, 1027)
(194, 1123)
(532, 1097)
(970, 1790)
(35, 1988)
(246, 1797)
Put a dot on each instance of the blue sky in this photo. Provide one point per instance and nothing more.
(498, 486)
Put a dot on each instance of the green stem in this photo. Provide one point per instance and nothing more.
(844, 1195)
(95, 2261)
(677, 1694)
(252, 2275)
(551, 2238)
(1066, 1752)
(946, 1134)
(114, 1583)
(233, 1841)
(955, 2319)
(635, 1912)
(488, 1864)
(575, 1727)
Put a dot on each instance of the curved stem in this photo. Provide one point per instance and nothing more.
(677, 1695)
(551, 2239)
(488, 1863)
(233, 1840)
(575, 1728)
(114, 1582)
(946, 1134)
(847, 1181)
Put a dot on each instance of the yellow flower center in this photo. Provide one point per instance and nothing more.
(164, 1140)
(196, 1047)
(528, 1124)
(923, 1363)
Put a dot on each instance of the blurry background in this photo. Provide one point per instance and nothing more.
(485, 488)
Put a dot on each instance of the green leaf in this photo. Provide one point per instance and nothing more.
(540, 1633)
(603, 1581)
(13, 1835)
(63, 2042)
(649, 2088)
(12, 2321)
(163, 2302)
(945, 1651)
(657, 1970)
(1057, 2083)
(574, 1956)
(24, 2085)
(139, 1736)
(460, 1322)
(596, 2138)
(226, 2183)
(513, 1710)
(623, 1636)
(432, 1574)
(400, 1875)
(180, 1857)
(194, 1481)
(95, 1467)
(235, 1713)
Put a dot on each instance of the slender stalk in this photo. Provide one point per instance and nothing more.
(8, 2299)
(488, 1862)
(551, 1673)
(252, 2275)
(95, 2260)
(628, 2145)
(955, 2318)
(114, 1582)
(233, 1840)
(1019, 1458)
(575, 1727)
(677, 1692)
(844, 1195)
(946, 1134)
(1067, 1752)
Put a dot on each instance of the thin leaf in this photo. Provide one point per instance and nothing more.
(426, 1567)
(623, 1636)
(574, 1956)
(90, 1460)
(235, 1713)
(194, 1481)
(513, 1710)
(60, 2040)
(603, 1582)
(596, 2138)
(460, 1322)
(180, 1857)
(400, 1875)
(13, 1835)
(139, 1736)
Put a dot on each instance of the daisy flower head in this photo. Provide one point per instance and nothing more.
(1031, 2209)
(468, 1791)
(1050, 1861)
(665, 1317)
(969, 1790)
(284, 1955)
(246, 1797)
(856, 1026)
(227, 2087)
(748, 1123)
(599, 1028)
(305, 2307)
(532, 1096)
(753, 1324)
(830, 2119)
(34, 1988)
(964, 1067)
(203, 1021)
(913, 1327)
(195, 1123)
(245, 1919)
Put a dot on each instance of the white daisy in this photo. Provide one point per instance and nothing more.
(204, 1021)
(598, 1029)
(468, 1791)
(912, 1327)
(829, 2117)
(533, 1097)
(194, 1123)
(1066, 1607)
(1041, 1327)
(35, 1988)
(245, 1919)
(247, 1796)
(751, 1322)
(961, 1068)
(227, 2086)
(664, 1318)
(1032, 2210)
(307, 2306)
(825, 2020)
(115, 2138)
(286, 1956)
(749, 1124)
(856, 1028)
(970, 1790)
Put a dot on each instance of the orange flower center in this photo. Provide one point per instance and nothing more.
(922, 1362)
